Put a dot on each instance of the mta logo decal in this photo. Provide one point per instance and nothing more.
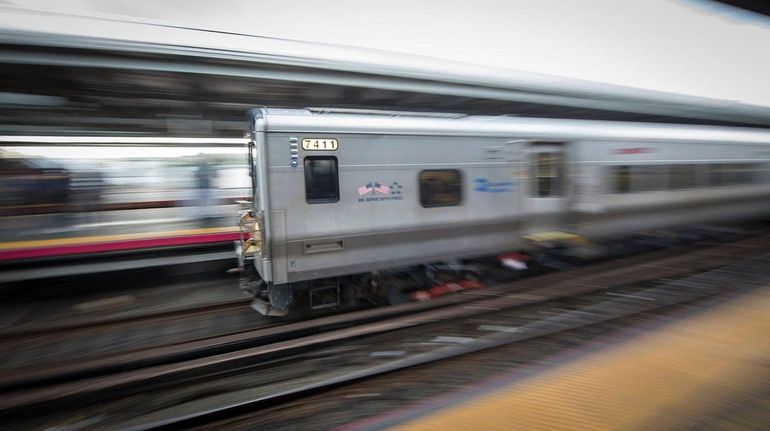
(486, 186)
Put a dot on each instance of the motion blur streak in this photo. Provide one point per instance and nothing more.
(64, 195)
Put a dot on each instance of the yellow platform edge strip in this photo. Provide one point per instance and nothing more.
(16, 245)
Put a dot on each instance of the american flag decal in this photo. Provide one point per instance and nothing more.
(375, 191)
(381, 189)
(369, 188)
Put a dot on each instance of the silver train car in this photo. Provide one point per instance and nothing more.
(337, 193)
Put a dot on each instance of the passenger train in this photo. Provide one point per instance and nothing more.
(338, 193)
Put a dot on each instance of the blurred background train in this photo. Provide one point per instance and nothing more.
(76, 198)
(344, 192)
(39, 178)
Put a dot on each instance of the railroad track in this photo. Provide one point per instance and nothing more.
(117, 323)
(83, 341)
(167, 369)
(90, 337)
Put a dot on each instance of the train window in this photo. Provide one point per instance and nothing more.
(682, 177)
(716, 176)
(732, 174)
(746, 173)
(440, 188)
(646, 178)
(548, 172)
(756, 174)
(321, 180)
(252, 157)
(620, 179)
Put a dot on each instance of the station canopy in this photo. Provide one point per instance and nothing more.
(141, 69)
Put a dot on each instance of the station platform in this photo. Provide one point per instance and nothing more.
(61, 235)
(704, 369)
(17, 250)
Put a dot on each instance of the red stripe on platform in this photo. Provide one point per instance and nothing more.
(101, 247)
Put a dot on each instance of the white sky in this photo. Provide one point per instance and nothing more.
(690, 47)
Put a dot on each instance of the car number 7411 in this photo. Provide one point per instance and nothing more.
(320, 144)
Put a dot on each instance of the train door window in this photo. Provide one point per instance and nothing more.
(321, 180)
(620, 179)
(732, 174)
(682, 177)
(715, 175)
(440, 188)
(547, 173)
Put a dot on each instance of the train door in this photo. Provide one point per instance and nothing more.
(546, 193)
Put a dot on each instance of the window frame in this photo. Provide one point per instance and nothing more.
(460, 194)
(307, 177)
(679, 171)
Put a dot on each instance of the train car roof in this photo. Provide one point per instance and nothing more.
(330, 121)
